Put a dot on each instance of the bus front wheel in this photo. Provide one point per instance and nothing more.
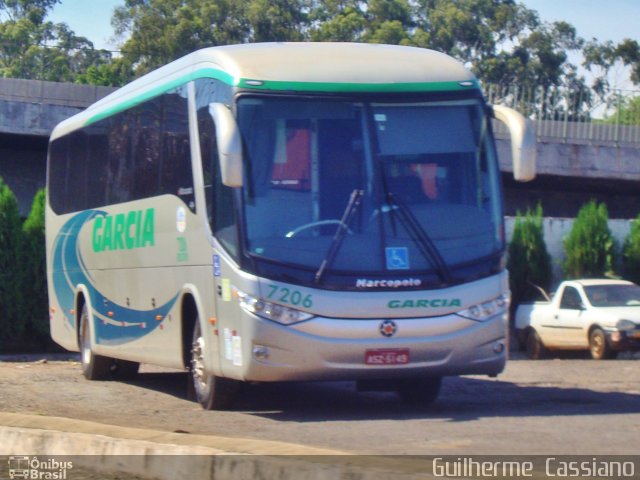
(210, 391)
(94, 367)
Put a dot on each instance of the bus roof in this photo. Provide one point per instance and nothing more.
(303, 67)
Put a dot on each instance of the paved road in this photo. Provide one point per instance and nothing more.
(558, 406)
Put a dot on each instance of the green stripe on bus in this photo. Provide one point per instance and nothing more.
(330, 87)
(160, 89)
(357, 87)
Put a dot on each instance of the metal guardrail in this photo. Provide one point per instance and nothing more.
(580, 133)
(567, 117)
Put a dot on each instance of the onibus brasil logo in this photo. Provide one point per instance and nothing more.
(22, 466)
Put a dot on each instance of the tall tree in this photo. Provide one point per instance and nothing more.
(337, 20)
(277, 20)
(590, 246)
(12, 324)
(31, 47)
(472, 30)
(159, 31)
(601, 58)
(627, 111)
(529, 262)
(502, 41)
(35, 312)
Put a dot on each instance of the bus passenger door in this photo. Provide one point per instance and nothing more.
(228, 317)
(221, 216)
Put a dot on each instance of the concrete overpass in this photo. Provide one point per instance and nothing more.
(29, 109)
(574, 170)
(575, 162)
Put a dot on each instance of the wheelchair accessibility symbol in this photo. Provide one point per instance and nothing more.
(397, 258)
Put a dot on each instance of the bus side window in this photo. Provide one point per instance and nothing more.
(58, 173)
(146, 149)
(118, 173)
(219, 197)
(209, 157)
(175, 174)
(77, 172)
(97, 166)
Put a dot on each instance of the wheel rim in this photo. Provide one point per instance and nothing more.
(86, 344)
(197, 364)
(597, 344)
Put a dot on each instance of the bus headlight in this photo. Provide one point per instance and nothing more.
(271, 311)
(486, 310)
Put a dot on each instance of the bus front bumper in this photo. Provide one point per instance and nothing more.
(355, 349)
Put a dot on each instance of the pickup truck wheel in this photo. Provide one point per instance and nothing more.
(599, 347)
(534, 346)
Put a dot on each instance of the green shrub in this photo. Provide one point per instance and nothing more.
(589, 247)
(529, 262)
(12, 325)
(36, 315)
(631, 253)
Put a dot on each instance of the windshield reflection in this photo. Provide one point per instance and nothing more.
(613, 295)
(427, 173)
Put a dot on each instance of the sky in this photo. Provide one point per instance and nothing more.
(603, 19)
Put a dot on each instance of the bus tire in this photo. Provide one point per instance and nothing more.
(419, 391)
(94, 367)
(210, 391)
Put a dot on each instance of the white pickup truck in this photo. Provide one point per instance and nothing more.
(599, 315)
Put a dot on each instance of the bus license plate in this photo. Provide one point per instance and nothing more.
(387, 356)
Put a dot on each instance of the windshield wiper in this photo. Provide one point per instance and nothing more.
(422, 239)
(343, 228)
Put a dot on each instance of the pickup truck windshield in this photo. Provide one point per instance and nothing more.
(433, 162)
(613, 295)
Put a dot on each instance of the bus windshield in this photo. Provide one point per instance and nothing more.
(370, 188)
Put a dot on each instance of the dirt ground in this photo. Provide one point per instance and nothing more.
(567, 405)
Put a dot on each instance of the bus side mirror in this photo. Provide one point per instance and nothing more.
(523, 142)
(229, 144)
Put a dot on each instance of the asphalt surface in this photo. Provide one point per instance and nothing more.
(565, 406)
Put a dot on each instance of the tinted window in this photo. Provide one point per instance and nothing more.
(570, 299)
(57, 180)
(219, 197)
(139, 153)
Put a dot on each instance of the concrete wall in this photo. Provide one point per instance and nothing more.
(23, 171)
(29, 109)
(580, 160)
(33, 107)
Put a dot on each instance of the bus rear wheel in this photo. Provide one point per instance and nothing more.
(210, 391)
(94, 367)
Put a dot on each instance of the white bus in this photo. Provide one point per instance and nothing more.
(285, 212)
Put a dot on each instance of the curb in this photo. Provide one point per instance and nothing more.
(161, 455)
(76, 432)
